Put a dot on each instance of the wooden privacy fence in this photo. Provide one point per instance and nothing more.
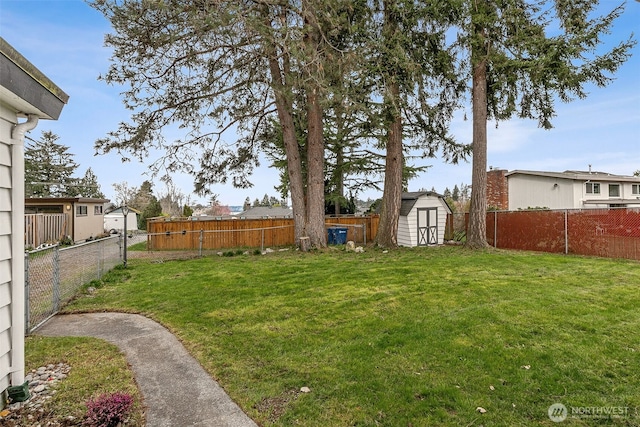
(192, 233)
(44, 228)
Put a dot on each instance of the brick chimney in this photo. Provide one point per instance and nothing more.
(497, 189)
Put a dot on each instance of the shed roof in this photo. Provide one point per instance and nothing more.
(409, 200)
(119, 211)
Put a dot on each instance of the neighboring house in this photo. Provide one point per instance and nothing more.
(266, 212)
(84, 216)
(24, 93)
(423, 216)
(522, 189)
(114, 220)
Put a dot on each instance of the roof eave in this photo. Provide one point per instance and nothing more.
(26, 88)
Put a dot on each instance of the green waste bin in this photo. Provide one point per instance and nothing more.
(337, 235)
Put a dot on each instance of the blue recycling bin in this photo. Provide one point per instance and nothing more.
(337, 235)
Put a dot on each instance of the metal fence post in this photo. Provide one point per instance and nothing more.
(201, 240)
(495, 229)
(120, 245)
(27, 299)
(262, 240)
(99, 252)
(56, 279)
(566, 231)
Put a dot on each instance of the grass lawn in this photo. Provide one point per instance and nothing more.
(97, 367)
(413, 337)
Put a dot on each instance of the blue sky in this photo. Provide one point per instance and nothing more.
(64, 39)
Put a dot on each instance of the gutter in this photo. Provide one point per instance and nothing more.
(17, 248)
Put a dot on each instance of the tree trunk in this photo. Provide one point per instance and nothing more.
(292, 151)
(477, 232)
(392, 194)
(315, 228)
(338, 171)
(339, 174)
(315, 172)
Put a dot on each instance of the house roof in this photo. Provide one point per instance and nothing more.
(50, 200)
(578, 175)
(409, 200)
(26, 88)
(266, 211)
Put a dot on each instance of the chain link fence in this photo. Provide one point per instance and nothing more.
(610, 232)
(54, 275)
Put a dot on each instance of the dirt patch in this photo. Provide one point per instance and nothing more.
(275, 407)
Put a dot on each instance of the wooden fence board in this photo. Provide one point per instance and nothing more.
(44, 228)
(184, 233)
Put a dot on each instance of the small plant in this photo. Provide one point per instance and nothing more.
(66, 241)
(108, 410)
(228, 254)
(257, 252)
(239, 252)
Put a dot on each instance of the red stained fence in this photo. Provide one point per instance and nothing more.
(611, 233)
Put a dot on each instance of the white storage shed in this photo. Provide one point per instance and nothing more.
(423, 217)
(114, 220)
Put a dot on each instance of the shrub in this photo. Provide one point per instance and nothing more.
(107, 410)
(66, 241)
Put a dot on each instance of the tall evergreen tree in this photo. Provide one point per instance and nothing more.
(87, 186)
(416, 78)
(523, 57)
(455, 194)
(49, 167)
(210, 66)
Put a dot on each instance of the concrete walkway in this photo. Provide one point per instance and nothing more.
(177, 391)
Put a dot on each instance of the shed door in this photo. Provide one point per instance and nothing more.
(427, 226)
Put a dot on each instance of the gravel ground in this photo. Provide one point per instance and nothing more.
(33, 412)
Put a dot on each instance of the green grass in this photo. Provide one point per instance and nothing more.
(141, 246)
(416, 337)
(97, 367)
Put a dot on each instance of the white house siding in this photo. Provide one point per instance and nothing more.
(24, 92)
(5, 245)
(527, 191)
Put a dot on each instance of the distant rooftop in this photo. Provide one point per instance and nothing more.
(266, 211)
(577, 175)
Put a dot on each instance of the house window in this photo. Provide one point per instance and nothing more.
(593, 187)
(635, 189)
(614, 190)
(81, 210)
(97, 210)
